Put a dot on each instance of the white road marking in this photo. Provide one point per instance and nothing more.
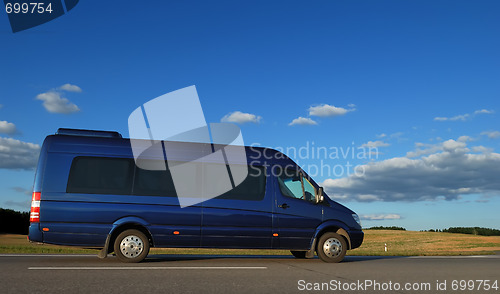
(148, 268)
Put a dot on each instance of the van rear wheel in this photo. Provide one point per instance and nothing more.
(331, 247)
(299, 254)
(131, 246)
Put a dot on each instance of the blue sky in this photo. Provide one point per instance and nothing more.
(416, 80)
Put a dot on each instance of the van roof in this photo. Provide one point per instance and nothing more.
(88, 133)
(111, 143)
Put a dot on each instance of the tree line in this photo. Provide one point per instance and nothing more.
(470, 231)
(387, 228)
(14, 222)
(457, 230)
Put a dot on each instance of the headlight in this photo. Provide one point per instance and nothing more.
(356, 218)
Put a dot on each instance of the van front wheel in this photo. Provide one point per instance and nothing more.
(131, 246)
(331, 247)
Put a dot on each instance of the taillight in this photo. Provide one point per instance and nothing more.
(35, 207)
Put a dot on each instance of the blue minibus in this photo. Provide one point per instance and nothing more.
(89, 192)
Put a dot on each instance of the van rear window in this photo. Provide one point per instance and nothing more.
(120, 176)
(252, 188)
(153, 183)
(98, 175)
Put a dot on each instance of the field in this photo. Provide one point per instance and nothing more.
(400, 243)
(411, 243)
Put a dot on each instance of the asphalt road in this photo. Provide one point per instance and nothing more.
(240, 274)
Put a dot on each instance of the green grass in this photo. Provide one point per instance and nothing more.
(43, 249)
(399, 243)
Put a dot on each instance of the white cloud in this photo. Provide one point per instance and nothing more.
(302, 121)
(15, 154)
(55, 103)
(241, 117)
(484, 111)
(7, 127)
(454, 146)
(449, 145)
(491, 134)
(396, 135)
(464, 139)
(464, 117)
(461, 117)
(380, 216)
(23, 190)
(423, 149)
(71, 88)
(25, 205)
(374, 144)
(481, 149)
(325, 110)
(450, 171)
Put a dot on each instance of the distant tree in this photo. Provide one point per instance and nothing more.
(473, 231)
(387, 228)
(14, 222)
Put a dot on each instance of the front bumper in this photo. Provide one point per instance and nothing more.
(356, 238)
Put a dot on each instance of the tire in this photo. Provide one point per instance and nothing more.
(331, 247)
(131, 246)
(299, 254)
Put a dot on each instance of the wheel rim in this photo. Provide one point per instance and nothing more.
(131, 246)
(332, 247)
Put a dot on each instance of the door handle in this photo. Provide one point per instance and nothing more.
(284, 206)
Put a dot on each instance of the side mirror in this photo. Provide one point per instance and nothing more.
(320, 198)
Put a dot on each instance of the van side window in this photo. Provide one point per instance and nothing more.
(293, 184)
(290, 184)
(97, 175)
(253, 188)
(103, 175)
(153, 183)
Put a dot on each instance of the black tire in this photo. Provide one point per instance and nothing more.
(331, 247)
(131, 246)
(299, 254)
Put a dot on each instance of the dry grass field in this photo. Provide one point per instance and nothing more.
(400, 243)
(413, 243)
